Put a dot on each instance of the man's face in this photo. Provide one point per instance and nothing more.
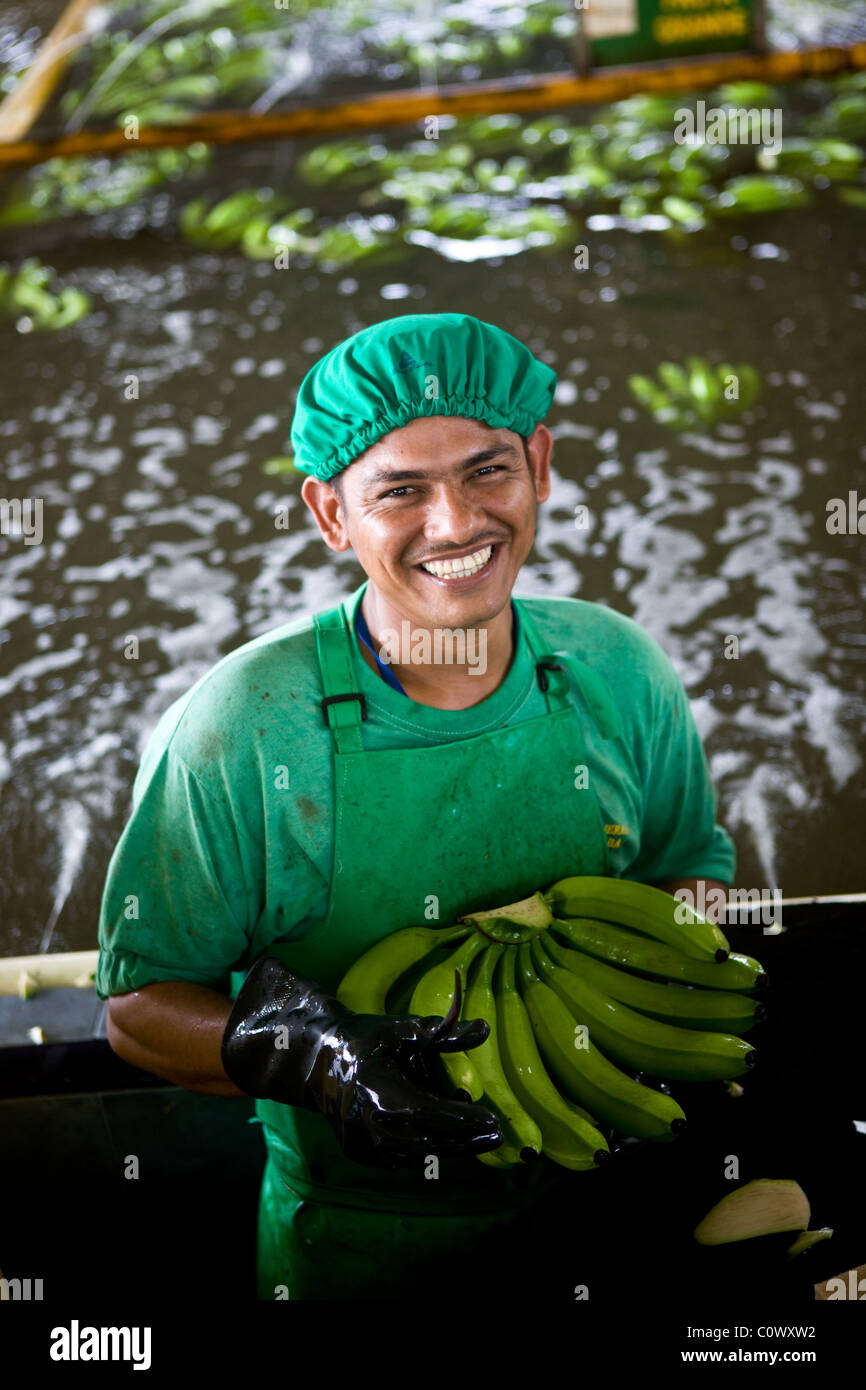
(437, 490)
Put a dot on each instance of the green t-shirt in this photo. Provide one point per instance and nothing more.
(230, 842)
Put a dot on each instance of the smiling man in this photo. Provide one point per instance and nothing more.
(335, 780)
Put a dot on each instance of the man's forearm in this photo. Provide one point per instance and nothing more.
(174, 1030)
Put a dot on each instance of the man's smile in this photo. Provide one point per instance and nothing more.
(456, 570)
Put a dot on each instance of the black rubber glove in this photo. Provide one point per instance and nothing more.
(373, 1077)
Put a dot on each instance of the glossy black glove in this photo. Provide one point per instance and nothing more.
(373, 1077)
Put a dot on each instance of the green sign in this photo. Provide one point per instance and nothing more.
(629, 31)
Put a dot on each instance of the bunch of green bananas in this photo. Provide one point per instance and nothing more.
(226, 223)
(697, 393)
(570, 982)
(91, 184)
(27, 290)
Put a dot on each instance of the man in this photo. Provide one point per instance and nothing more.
(323, 786)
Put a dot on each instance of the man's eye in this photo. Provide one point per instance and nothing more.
(394, 491)
(488, 468)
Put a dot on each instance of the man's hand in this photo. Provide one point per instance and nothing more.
(290, 1041)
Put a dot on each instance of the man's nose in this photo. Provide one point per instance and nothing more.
(453, 515)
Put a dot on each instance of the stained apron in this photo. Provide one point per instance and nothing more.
(423, 835)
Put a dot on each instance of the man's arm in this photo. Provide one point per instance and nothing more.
(714, 895)
(173, 1029)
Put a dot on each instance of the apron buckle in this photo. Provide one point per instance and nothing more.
(334, 699)
(541, 667)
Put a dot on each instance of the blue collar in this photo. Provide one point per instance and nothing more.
(385, 671)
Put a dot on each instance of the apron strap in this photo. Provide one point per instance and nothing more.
(570, 671)
(344, 706)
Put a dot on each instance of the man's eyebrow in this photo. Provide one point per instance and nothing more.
(398, 475)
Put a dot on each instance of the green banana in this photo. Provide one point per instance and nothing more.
(680, 210)
(674, 378)
(616, 944)
(263, 237)
(760, 193)
(480, 1003)
(235, 211)
(72, 305)
(567, 1138)
(750, 385)
(191, 218)
(644, 909)
(704, 387)
(433, 995)
(585, 1073)
(649, 394)
(27, 295)
(644, 1044)
(507, 1155)
(716, 1010)
(365, 986)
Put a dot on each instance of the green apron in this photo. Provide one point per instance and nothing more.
(422, 835)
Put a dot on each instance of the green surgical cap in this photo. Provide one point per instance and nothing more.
(411, 366)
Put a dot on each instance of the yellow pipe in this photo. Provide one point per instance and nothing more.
(25, 975)
(380, 109)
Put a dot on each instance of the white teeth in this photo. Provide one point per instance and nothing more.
(463, 566)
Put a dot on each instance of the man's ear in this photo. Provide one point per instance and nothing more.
(324, 502)
(540, 447)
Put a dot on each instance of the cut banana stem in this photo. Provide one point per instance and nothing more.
(763, 1207)
(515, 922)
(807, 1239)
